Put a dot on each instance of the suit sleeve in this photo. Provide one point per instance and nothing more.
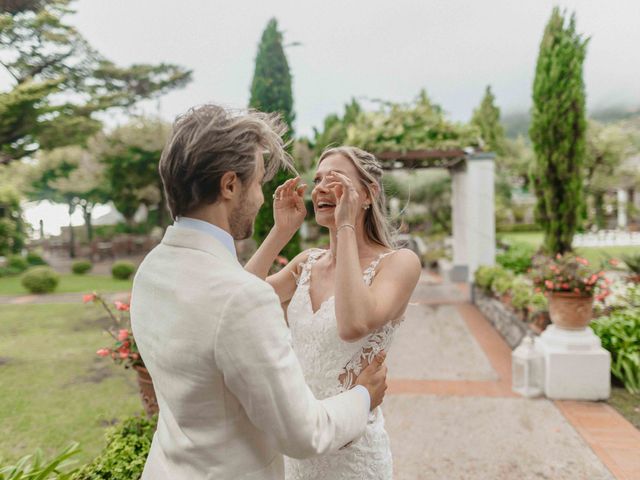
(254, 353)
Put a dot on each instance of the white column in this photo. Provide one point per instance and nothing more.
(474, 238)
(623, 198)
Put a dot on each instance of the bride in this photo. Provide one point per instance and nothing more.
(343, 304)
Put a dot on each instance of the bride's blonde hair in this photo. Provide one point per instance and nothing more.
(376, 226)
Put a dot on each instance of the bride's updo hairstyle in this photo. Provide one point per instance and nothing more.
(376, 226)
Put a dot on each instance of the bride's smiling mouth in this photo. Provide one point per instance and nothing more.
(325, 206)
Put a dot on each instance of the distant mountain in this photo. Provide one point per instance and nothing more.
(517, 123)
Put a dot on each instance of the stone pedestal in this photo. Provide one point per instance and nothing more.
(576, 367)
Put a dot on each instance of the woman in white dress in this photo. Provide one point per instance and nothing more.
(343, 304)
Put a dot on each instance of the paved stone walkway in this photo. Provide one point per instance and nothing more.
(451, 414)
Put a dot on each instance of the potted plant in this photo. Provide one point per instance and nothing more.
(571, 286)
(124, 350)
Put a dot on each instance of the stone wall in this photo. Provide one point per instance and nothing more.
(501, 316)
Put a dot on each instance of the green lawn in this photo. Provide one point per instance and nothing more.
(593, 254)
(70, 283)
(53, 387)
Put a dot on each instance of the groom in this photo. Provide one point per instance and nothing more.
(231, 392)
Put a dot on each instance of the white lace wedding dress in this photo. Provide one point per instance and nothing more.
(326, 359)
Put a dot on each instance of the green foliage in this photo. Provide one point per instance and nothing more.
(80, 267)
(12, 230)
(502, 281)
(122, 270)
(487, 118)
(517, 257)
(620, 335)
(60, 81)
(483, 276)
(334, 128)
(632, 261)
(271, 92)
(521, 293)
(415, 126)
(125, 454)
(17, 263)
(558, 132)
(40, 280)
(34, 258)
(34, 467)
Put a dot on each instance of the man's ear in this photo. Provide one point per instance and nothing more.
(229, 185)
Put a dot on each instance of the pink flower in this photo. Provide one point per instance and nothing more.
(124, 354)
(565, 286)
(123, 334)
(89, 297)
(282, 260)
(123, 307)
(548, 284)
(537, 290)
(558, 256)
(103, 352)
(614, 262)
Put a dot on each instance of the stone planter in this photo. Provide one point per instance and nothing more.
(570, 311)
(506, 321)
(147, 392)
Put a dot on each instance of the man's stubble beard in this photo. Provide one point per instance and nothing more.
(241, 222)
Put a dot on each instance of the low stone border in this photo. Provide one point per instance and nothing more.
(505, 321)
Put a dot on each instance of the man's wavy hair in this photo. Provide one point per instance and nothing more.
(210, 140)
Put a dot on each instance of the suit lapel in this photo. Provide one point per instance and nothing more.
(193, 239)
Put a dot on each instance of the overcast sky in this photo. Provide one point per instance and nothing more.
(367, 49)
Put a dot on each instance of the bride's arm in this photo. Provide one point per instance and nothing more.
(288, 212)
(361, 309)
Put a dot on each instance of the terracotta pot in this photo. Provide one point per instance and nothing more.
(147, 392)
(570, 311)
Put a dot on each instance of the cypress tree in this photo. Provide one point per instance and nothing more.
(487, 118)
(558, 125)
(271, 92)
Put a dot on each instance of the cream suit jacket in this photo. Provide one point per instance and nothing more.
(231, 392)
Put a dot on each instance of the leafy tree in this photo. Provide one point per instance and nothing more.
(130, 156)
(271, 92)
(558, 131)
(69, 175)
(12, 228)
(335, 128)
(487, 118)
(60, 81)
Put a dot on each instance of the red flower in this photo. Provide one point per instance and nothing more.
(123, 334)
(123, 307)
(89, 297)
(565, 286)
(103, 352)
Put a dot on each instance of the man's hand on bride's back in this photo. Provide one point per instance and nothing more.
(288, 206)
(374, 379)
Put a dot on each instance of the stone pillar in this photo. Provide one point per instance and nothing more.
(473, 216)
(623, 198)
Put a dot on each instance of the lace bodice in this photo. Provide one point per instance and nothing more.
(330, 366)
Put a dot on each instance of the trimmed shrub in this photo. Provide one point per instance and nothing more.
(517, 257)
(17, 263)
(122, 270)
(502, 282)
(125, 454)
(483, 276)
(80, 267)
(34, 258)
(521, 293)
(40, 280)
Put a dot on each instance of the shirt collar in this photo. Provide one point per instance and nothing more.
(210, 229)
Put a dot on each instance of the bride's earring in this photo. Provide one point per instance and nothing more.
(366, 206)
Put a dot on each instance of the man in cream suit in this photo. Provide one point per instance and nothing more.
(231, 393)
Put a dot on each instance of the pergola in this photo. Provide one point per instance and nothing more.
(473, 217)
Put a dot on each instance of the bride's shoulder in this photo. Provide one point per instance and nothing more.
(402, 260)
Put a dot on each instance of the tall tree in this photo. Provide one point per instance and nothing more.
(271, 92)
(60, 81)
(487, 118)
(557, 131)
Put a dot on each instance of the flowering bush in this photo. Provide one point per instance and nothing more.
(569, 273)
(124, 350)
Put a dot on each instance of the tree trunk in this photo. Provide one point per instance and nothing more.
(598, 204)
(86, 214)
(72, 235)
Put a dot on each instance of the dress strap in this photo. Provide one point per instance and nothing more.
(370, 272)
(305, 266)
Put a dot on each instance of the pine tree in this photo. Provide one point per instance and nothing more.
(271, 92)
(558, 126)
(487, 118)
